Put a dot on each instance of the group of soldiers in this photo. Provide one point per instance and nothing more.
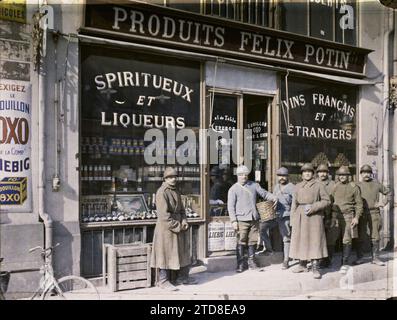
(311, 216)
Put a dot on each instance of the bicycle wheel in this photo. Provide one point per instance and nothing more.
(77, 288)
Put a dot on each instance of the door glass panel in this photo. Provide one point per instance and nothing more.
(223, 124)
(255, 119)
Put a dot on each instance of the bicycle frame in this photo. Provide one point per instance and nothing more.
(47, 281)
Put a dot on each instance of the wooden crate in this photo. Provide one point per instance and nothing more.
(127, 266)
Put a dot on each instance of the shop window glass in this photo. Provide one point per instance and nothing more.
(321, 19)
(255, 119)
(186, 5)
(248, 11)
(293, 16)
(318, 125)
(223, 120)
(123, 95)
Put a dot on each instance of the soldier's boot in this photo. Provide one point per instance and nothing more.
(360, 254)
(240, 258)
(184, 278)
(302, 267)
(345, 258)
(164, 281)
(285, 265)
(315, 268)
(251, 255)
(327, 262)
(375, 254)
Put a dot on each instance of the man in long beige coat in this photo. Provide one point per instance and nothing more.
(171, 240)
(308, 241)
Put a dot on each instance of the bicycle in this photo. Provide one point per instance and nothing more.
(4, 279)
(65, 287)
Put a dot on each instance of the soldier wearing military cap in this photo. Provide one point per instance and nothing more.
(308, 240)
(331, 225)
(171, 240)
(347, 208)
(283, 190)
(370, 190)
(241, 205)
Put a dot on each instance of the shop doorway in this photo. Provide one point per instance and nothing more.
(232, 113)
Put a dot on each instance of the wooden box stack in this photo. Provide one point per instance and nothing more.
(127, 266)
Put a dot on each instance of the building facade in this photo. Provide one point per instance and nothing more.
(105, 78)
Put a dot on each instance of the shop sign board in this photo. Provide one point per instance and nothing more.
(157, 24)
(15, 146)
(13, 10)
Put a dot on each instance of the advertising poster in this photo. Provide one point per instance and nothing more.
(15, 146)
(13, 10)
(216, 236)
(230, 237)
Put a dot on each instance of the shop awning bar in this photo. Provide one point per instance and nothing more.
(176, 53)
(206, 57)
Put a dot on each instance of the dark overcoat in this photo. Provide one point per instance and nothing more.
(308, 239)
(171, 248)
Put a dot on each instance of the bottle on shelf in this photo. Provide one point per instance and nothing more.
(84, 209)
(108, 173)
(90, 173)
(114, 207)
(141, 147)
(91, 213)
(139, 179)
(154, 208)
(104, 208)
(125, 184)
(83, 173)
(113, 187)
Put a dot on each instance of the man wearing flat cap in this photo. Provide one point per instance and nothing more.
(348, 208)
(171, 240)
(308, 240)
(283, 190)
(241, 205)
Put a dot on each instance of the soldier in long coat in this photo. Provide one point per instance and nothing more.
(171, 249)
(308, 241)
(331, 224)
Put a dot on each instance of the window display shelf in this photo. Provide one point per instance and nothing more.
(89, 225)
(300, 164)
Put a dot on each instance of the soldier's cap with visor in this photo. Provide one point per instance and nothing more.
(307, 167)
(242, 170)
(322, 168)
(283, 171)
(170, 172)
(366, 168)
(343, 171)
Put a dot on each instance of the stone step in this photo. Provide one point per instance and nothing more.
(229, 263)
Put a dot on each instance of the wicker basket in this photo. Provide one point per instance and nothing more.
(266, 211)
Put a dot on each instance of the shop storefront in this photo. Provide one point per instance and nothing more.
(150, 69)
(125, 97)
